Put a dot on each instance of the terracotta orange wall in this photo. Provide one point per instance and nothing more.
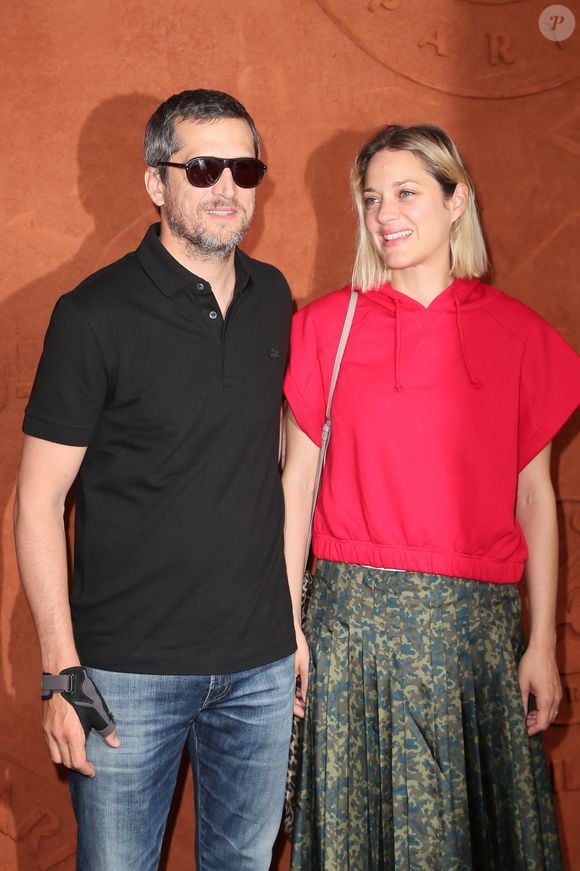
(80, 80)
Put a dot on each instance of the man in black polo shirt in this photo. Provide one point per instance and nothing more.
(160, 385)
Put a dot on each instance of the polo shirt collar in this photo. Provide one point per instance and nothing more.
(170, 276)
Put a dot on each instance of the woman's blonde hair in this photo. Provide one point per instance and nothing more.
(441, 159)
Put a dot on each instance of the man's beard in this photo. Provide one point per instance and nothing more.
(200, 242)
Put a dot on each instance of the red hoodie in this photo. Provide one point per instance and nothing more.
(435, 412)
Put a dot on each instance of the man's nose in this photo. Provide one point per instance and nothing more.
(225, 185)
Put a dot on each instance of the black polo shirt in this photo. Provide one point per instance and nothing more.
(179, 566)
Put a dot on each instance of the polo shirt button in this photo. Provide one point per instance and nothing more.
(213, 315)
(199, 285)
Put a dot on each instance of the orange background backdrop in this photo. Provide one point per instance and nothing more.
(80, 80)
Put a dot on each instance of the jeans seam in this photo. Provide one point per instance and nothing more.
(198, 813)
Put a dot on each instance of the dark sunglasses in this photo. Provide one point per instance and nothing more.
(203, 172)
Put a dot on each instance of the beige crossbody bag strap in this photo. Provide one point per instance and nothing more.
(326, 427)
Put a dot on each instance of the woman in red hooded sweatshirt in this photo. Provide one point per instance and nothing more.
(424, 705)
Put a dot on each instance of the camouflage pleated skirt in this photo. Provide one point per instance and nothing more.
(415, 752)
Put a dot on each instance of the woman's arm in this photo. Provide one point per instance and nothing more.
(536, 514)
(298, 480)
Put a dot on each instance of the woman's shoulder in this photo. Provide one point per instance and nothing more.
(323, 316)
(330, 303)
(320, 321)
(513, 314)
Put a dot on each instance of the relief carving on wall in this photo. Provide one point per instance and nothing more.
(489, 49)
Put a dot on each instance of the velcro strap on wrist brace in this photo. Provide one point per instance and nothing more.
(80, 691)
(55, 683)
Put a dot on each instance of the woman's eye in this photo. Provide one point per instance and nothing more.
(405, 194)
(371, 201)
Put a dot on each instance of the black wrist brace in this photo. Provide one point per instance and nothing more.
(79, 690)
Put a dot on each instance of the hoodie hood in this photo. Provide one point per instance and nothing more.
(469, 292)
(463, 295)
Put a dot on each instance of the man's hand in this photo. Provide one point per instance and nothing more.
(69, 717)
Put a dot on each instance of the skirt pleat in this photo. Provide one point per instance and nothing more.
(415, 752)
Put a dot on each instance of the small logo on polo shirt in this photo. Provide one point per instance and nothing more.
(274, 353)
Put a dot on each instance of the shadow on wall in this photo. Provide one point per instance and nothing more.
(564, 772)
(36, 823)
(327, 183)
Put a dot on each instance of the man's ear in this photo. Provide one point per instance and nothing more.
(459, 200)
(154, 186)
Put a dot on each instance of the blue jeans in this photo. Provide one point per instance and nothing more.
(237, 730)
